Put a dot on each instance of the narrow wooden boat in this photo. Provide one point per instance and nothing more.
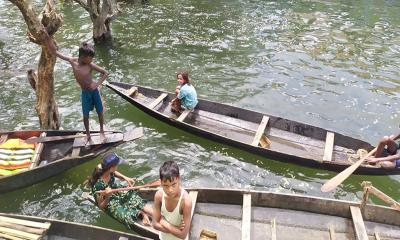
(14, 226)
(283, 139)
(53, 153)
(248, 214)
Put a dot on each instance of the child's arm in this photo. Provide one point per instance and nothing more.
(102, 71)
(157, 218)
(53, 49)
(381, 159)
(131, 181)
(102, 199)
(182, 230)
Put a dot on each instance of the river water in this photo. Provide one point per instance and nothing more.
(332, 64)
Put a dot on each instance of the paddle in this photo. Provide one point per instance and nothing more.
(155, 183)
(338, 179)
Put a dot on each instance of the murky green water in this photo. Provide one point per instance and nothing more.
(329, 64)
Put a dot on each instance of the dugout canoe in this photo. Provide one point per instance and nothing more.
(14, 226)
(290, 141)
(250, 214)
(57, 151)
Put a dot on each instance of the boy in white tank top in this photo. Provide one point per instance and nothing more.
(172, 205)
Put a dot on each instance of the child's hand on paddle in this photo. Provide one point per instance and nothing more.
(371, 160)
(106, 192)
(131, 181)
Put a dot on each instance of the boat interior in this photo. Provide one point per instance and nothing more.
(254, 128)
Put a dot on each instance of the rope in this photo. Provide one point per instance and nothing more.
(354, 156)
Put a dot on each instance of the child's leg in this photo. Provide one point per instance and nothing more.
(86, 123)
(148, 209)
(101, 121)
(388, 164)
(98, 103)
(389, 143)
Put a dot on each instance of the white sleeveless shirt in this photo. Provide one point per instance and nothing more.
(174, 217)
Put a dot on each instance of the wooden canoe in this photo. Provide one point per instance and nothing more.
(58, 151)
(14, 226)
(289, 140)
(248, 214)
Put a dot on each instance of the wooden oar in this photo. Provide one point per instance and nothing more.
(338, 179)
(59, 138)
(155, 183)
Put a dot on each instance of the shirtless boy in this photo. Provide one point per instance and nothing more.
(82, 68)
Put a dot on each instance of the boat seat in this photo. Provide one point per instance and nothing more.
(273, 229)
(358, 223)
(38, 151)
(158, 100)
(193, 196)
(14, 228)
(246, 217)
(331, 232)
(260, 133)
(183, 115)
(131, 92)
(329, 142)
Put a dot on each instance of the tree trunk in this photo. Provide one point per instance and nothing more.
(43, 84)
(101, 12)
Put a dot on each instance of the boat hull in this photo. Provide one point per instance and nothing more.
(57, 156)
(298, 151)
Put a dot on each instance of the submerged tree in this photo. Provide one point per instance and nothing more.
(101, 12)
(43, 82)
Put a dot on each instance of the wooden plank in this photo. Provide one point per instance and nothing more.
(331, 232)
(6, 236)
(358, 222)
(273, 229)
(38, 151)
(158, 100)
(184, 115)
(96, 140)
(330, 139)
(28, 223)
(18, 233)
(38, 231)
(260, 131)
(193, 196)
(246, 216)
(377, 237)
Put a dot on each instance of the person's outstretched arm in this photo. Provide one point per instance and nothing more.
(54, 50)
(131, 181)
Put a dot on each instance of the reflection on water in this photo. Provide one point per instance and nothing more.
(330, 64)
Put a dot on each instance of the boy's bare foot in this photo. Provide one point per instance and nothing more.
(146, 220)
(103, 138)
(88, 140)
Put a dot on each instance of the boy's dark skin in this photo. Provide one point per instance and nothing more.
(82, 68)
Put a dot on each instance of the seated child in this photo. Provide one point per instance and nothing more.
(172, 205)
(387, 154)
(124, 206)
(186, 96)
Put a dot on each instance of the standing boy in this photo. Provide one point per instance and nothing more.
(82, 68)
(172, 205)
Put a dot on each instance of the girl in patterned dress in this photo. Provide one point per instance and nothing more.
(124, 206)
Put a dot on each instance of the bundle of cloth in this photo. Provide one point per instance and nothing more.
(15, 155)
